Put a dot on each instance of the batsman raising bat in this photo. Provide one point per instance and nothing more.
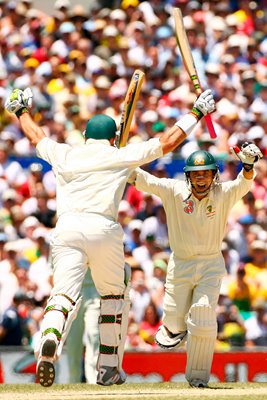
(91, 179)
(197, 209)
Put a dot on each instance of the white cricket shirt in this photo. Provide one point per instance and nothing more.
(195, 227)
(91, 178)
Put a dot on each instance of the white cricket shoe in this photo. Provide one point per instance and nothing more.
(168, 340)
(45, 365)
(108, 376)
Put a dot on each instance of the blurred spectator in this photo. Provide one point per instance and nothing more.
(135, 228)
(39, 272)
(139, 294)
(241, 292)
(256, 269)
(144, 254)
(150, 324)
(157, 227)
(43, 212)
(134, 341)
(12, 324)
(157, 281)
(148, 207)
(256, 325)
(231, 328)
(11, 170)
(9, 284)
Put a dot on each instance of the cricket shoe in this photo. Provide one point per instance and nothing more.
(198, 383)
(45, 365)
(108, 376)
(167, 340)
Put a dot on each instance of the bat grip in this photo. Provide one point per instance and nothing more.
(210, 126)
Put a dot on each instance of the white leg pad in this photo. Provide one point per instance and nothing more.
(113, 324)
(110, 330)
(71, 317)
(125, 314)
(59, 315)
(201, 337)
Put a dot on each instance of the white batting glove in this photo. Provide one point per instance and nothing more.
(27, 97)
(19, 101)
(248, 154)
(204, 104)
(15, 101)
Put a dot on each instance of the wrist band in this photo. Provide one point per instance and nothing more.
(197, 113)
(22, 111)
(248, 167)
(187, 123)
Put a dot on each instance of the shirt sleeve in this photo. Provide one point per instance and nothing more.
(135, 155)
(238, 188)
(50, 151)
(151, 184)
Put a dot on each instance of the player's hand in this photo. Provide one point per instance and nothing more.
(19, 100)
(205, 103)
(248, 154)
(27, 97)
(15, 101)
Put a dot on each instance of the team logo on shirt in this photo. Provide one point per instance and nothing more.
(189, 208)
(210, 211)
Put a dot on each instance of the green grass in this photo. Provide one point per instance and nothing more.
(152, 391)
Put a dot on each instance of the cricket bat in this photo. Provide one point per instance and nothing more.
(183, 44)
(129, 105)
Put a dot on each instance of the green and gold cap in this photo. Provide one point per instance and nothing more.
(200, 160)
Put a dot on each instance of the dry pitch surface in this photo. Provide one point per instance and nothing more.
(153, 391)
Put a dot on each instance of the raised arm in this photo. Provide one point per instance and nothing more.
(31, 130)
(18, 103)
(203, 105)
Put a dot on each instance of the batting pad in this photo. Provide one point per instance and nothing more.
(110, 320)
(202, 333)
(125, 313)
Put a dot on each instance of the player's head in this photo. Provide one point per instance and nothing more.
(100, 127)
(201, 160)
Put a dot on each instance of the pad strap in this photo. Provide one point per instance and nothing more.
(110, 319)
(103, 349)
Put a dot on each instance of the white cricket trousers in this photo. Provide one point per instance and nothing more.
(187, 281)
(82, 240)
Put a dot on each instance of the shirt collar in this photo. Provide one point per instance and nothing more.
(103, 141)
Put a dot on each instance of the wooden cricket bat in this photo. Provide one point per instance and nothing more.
(188, 61)
(129, 107)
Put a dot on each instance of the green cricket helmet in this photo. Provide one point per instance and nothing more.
(199, 161)
(100, 127)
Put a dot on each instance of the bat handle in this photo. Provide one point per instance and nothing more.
(210, 126)
(208, 119)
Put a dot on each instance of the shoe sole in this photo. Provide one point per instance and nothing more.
(45, 368)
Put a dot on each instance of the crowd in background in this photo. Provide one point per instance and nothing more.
(79, 63)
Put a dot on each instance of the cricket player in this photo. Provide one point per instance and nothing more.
(91, 179)
(197, 209)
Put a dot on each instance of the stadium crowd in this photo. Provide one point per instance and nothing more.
(78, 63)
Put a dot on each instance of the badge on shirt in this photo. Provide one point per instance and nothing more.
(189, 207)
(210, 211)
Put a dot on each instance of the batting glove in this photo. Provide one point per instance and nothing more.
(204, 104)
(27, 97)
(19, 101)
(248, 154)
